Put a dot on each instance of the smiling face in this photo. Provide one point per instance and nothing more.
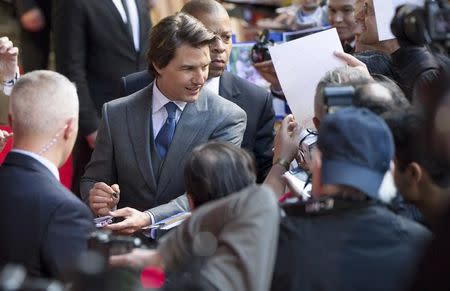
(185, 75)
(341, 14)
(219, 23)
(367, 32)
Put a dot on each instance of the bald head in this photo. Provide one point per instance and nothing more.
(215, 18)
(196, 7)
(41, 103)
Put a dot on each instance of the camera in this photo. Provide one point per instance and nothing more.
(336, 97)
(260, 51)
(107, 244)
(427, 25)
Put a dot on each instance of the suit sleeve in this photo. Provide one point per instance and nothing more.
(231, 129)
(177, 205)
(23, 6)
(66, 237)
(264, 140)
(71, 49)
(101, 168)
(220, 232)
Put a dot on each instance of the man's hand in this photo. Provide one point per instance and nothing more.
(267, 71)
(103, 198)
(91, 139)
(33, 20)
(138, 258)
(134, 220)
(287, 139)
(8, 59)
(353, 62)
(4, 136)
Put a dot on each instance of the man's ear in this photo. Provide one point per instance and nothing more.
(414, 172)
(69, 128)
(157, 68)
(316, 122)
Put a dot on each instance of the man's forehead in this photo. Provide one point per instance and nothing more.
(338, 3)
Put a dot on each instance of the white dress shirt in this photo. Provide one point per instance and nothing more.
(132, 10)
(46, 163)
(159, 112)
(213, 84)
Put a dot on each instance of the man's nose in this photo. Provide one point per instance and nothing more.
(338, 17)
(217, 45)
(199, 77)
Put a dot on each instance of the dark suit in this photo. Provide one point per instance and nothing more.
(35, 46)
(125, 152)
(94, 49)
(255, 101)
(44, 226)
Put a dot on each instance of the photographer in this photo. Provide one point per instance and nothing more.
(344, 231)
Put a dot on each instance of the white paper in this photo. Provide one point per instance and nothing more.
(300, 64)
(384, 13)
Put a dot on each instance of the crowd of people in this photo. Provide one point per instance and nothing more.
(171, 131)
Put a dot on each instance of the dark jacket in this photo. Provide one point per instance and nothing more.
(44, 226)
(94, 49)
(364, 248)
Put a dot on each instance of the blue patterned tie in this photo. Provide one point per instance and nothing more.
(165, 135)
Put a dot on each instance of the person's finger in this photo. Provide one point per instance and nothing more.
(122, 212)
(14, 51)
(102, 189)
(116, 188)
(349, 59)
(99, 205)
(125, 224)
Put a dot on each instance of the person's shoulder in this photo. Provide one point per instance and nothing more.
(216, 104)
(133, 98)
(251, 90)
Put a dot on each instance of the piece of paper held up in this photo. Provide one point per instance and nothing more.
(384, 13)
(300, 64)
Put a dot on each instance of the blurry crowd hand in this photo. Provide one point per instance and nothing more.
(353, 62)
(4, 136)
(8, 59)
(286, 141)
(103, 198)
(33, 20)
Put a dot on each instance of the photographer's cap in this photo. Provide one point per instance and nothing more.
(357, 148)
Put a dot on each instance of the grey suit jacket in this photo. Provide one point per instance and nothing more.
(236, 235)
(122, 152)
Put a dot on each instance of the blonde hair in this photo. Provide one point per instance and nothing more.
(41, 103)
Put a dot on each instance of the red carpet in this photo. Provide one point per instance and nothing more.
(65, 172)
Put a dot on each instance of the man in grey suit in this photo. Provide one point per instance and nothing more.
(144, 138)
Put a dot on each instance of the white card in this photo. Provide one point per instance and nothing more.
(300, 64)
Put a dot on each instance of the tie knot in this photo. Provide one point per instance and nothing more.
(171, 109)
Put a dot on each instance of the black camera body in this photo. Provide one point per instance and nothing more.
(107, 244)
(337, 97)
(425, 25)
(260, 51)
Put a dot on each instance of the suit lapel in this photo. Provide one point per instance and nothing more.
(227, 88)
(188, 127)
(113, 9)
(139, 121)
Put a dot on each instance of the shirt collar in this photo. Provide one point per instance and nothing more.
(49, 165)
(213, 84)
(159, 100)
